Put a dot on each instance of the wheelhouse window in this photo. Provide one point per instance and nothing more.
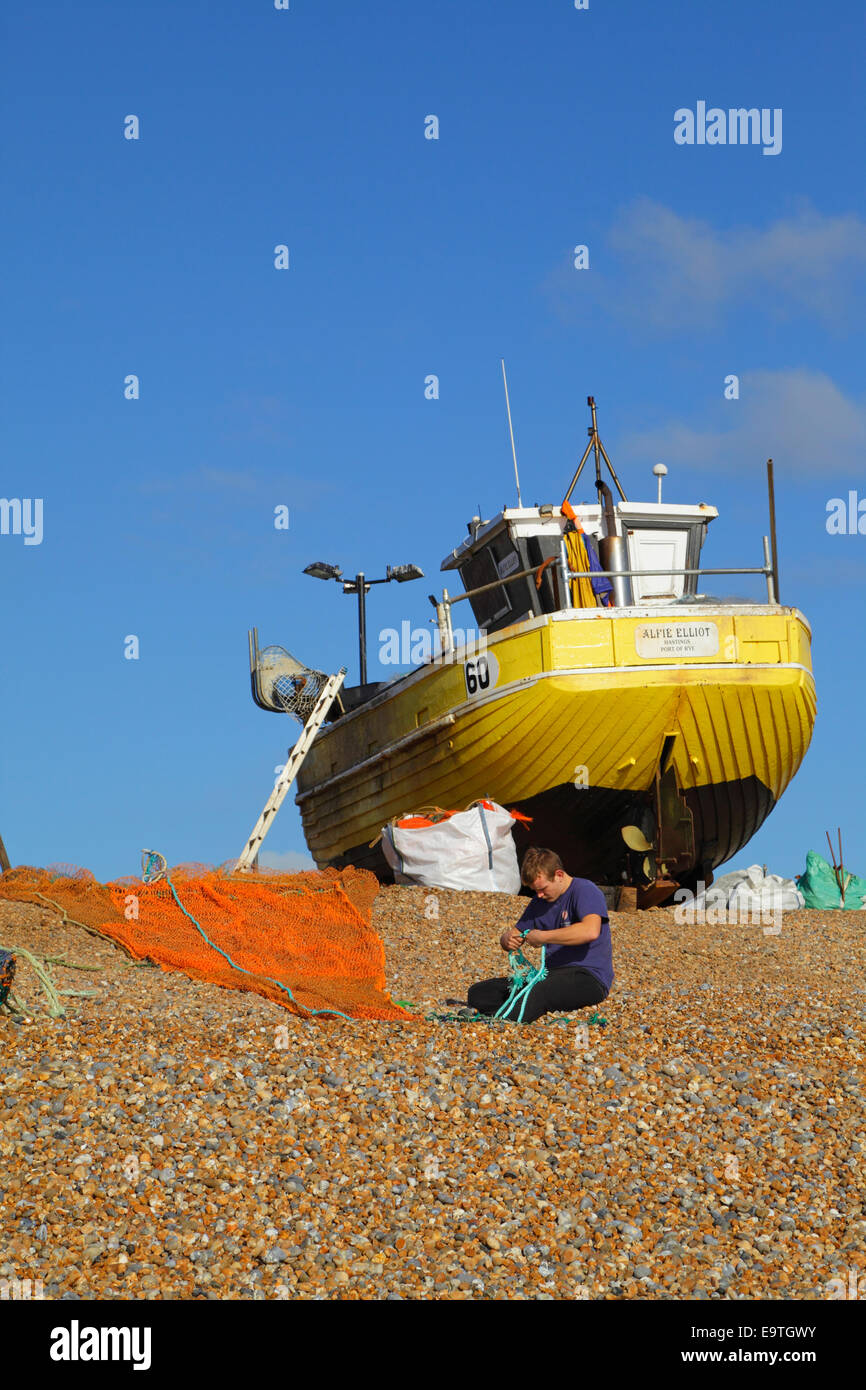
(483, 568)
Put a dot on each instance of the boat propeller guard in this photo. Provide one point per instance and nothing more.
(672, 854)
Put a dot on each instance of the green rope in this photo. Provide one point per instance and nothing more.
(55, 1008)
(152, 858)
(65, 918)
(492, 1018)
(70, 964)
(523, 979)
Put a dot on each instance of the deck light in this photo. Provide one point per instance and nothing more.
(319, 570)
(403, 572)
(360, 585)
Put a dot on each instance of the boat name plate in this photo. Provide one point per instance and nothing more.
(676, 639)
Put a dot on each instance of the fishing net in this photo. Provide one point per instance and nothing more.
(303, 940)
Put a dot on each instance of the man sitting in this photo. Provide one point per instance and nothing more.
(568, 916)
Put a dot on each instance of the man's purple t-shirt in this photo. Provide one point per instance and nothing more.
(579, 900)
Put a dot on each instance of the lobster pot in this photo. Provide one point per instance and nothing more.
(469, 850)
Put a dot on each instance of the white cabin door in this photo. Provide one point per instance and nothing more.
(657, 550)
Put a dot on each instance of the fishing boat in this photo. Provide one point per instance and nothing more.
(639, 727)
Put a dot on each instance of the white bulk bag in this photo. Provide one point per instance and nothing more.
(751, 890)
(472, 850)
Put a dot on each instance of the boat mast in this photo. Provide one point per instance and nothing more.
(511, 431)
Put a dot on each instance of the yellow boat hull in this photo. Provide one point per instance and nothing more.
(579, 709)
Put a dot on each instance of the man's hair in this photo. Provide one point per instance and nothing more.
(537, 862)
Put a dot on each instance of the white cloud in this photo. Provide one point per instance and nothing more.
(233, 479)
(667, 272)
(797, 417)
(249, 418)
(268, 487)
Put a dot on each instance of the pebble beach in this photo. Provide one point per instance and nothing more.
(169, 1139)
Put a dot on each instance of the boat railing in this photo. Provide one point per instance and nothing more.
(443, 609)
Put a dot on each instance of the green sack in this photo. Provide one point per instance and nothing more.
(820, 889)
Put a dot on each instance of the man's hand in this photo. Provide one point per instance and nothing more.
(511, 939)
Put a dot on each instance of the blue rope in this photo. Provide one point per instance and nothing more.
(524, 978)
(152, 857)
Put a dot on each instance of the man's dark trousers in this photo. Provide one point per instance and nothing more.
(569, 987)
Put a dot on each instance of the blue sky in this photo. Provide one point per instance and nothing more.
(305, 387)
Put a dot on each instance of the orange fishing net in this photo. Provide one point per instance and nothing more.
(305, 939)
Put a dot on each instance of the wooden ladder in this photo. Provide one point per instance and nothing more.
(290, 771)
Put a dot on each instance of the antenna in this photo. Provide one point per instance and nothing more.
(511, 431)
